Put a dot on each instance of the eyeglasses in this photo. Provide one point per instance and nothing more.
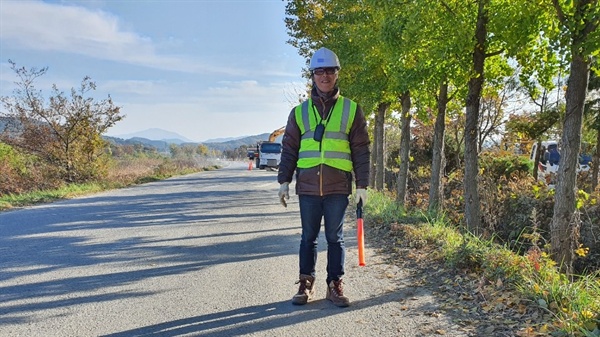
(322, 71)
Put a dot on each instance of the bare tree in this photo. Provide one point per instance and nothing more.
(64, 131)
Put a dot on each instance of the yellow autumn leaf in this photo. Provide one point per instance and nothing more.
(587, 314)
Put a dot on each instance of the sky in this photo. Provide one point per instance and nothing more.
(202, 69)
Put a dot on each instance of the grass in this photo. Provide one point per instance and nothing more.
(124, 173)
(36, 197)
(573, 303)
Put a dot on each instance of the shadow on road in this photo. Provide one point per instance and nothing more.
(76, 234)
(255, 319)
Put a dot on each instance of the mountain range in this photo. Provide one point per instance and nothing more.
(162, 139)
(172, 137)
(157, 134)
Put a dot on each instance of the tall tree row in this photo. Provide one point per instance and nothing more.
(400, 56)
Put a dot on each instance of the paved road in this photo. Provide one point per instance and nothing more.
(208, 254)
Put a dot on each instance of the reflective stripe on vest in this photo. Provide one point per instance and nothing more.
(334, 148)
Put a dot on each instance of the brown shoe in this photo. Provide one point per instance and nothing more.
(335, 293)
(305, 291)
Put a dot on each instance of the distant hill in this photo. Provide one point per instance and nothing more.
(162, 139)
(222, 140)
(159, 145)
(163, 145)
(236, 143)
(157, 135)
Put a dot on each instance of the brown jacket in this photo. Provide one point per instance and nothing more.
(322, 179)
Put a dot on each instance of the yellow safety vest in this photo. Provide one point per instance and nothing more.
(334, 149)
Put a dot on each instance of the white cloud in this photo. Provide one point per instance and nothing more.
(71, 29)
(42, 26)
(252, 92)
(231, 109)
(137, 87)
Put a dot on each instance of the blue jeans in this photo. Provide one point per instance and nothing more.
(312, 209)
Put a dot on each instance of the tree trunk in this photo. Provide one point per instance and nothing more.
(380, 135)
(596, 163)
(404, 149)
(373, 158)
(472, 203)
(438, 162)
(536, 160)
(564, 228)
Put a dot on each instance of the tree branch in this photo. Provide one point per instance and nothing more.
(497, 52)
(559, 12)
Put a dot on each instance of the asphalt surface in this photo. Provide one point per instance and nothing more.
(208, 254)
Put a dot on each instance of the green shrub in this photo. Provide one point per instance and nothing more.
(573, 304)
(495, 166)
(23, 173)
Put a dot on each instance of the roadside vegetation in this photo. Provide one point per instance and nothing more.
(27, 184)
(496, 289)
(457, 101)
(51, 146)
(505, 278)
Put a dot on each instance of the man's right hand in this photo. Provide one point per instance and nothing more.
(284, 193)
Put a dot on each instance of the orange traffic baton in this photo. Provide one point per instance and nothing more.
(361, 234)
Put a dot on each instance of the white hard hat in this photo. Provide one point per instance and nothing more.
(324, 58)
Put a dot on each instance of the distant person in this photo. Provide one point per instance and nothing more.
(325, 140)
(553, 155)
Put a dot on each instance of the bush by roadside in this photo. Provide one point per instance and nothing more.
(121, 173)
(514, 206)
(491, 289)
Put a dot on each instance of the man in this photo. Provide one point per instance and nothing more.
(325, 140)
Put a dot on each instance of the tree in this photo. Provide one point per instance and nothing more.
(63, 131)
(379, 146)
(405, 118)
(438, 158)
(491, 36)
(494, 101)
(202, 150)
(540, 82)
(406, 48)
(576, 33)
(471, 194)
(592, 108)
(436, 63)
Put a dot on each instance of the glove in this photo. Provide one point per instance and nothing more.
(361, 195)
(284, 193)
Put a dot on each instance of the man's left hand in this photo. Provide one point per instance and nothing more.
(361, 195)
(284, 193)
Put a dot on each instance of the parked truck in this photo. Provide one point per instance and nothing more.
(267, 154)
(550, 158)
